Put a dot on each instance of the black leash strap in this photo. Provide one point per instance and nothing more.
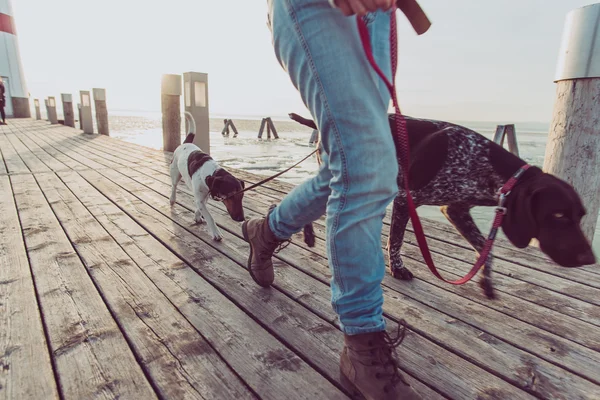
(272, 177)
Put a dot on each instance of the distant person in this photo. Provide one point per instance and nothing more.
(2, 101)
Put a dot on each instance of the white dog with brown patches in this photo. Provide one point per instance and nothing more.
(205, 178)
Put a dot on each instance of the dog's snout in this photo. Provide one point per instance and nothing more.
(586, 258)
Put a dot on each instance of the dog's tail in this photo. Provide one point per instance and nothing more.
(191, 128)
(304, 121)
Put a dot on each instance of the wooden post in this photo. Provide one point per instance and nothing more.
(87, 122)
(509, 132)
(225, 131)
(573, 149)
(101, 111)
(262, 127)
(79, 115)
(52, 111)
(67, 102)
(233, 128)
(272, 125)
(171, 111)
(195, 89)
(36, 105)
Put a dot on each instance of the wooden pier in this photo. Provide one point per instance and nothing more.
(108, 292)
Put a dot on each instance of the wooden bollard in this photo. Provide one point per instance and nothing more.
(101, 111)
(36, 105)
(195, 89)
(67, 102)
(79, 115)
(52, 116)
(508, 132)
(87, 122)
(573, 149)
(171, 111)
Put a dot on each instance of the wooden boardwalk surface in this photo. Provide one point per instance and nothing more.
(108, 292)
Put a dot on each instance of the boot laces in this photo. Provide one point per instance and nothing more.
(386, 353)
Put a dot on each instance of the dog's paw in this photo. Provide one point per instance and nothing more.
(172, 201)
(488, 288)
(217, 238)
(401, 273)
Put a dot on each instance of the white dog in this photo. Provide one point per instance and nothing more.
(206, 179)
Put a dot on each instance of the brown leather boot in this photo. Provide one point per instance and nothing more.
(369, 368)
(263, 244)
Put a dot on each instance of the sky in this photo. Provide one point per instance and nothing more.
(482, 60)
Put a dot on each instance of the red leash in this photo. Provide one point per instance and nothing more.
(401, 139)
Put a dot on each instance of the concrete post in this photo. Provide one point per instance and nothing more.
(47, 112)
(79, 114)
(36, 105)
(573, 149)
(67, 102)
(195, 89)
(171, 111)
(101, 111)
(87, 123)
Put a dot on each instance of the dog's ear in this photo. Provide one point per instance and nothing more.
(519, 224)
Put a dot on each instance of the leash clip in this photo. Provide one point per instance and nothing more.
(501, 210)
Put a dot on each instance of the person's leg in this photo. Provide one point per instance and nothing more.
(2, 114)
(321, 51)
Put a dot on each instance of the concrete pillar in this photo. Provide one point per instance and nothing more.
(573, 149)
(101, 111)
(52, 116)
(38, 114)
(67, 102)
(195, 89)
(87, 123)
(170, 99)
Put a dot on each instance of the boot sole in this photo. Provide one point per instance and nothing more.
(249, 265)
(351, 387)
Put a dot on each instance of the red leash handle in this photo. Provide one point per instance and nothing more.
(401, 139)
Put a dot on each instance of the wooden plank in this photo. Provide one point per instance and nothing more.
(91, 356)
(77, 152)
(176, 357)
(24, 358)
(55, 149)
(16, 138)
(514, 364)
(82, 144)
(44, 151)
(14, 163)
(3, 170)
(33, 163)
(271, 364)
(307, 337)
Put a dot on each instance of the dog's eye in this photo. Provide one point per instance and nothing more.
(558, 215)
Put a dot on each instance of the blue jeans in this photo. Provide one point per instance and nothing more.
(322, 52)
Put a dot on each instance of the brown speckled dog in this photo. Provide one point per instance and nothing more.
(457, 169)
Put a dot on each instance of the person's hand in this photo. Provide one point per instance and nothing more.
(362, 7)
